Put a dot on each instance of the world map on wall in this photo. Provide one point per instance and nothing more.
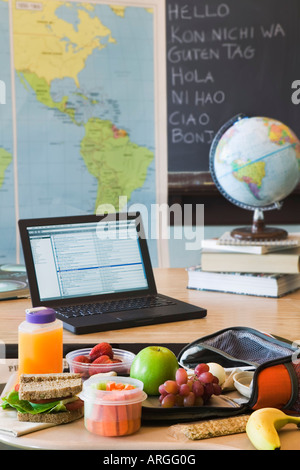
(77, 131)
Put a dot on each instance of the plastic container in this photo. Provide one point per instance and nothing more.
(243, 382)
(88, 369)
(112, 413)
(40, 342)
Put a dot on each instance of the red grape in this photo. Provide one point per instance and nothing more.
(190, 384)
(194, 390)
(162, 390)
(181, 376)
(208, 390)
(201, 368)
(199, 401)
(179, 400)
(171, 386)
(206, 377)
(189, 400)
(168, 401)
(184, 389)
(198, 388)
(217, 389)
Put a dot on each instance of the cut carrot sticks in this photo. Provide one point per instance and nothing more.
(114, 408)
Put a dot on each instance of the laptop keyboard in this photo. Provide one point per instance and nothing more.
(113, 306)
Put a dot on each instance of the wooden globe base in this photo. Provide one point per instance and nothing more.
(258, 230)
(269, 233)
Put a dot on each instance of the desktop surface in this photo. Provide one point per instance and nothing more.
(280, 317)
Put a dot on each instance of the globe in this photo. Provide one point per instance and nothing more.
(255, 162)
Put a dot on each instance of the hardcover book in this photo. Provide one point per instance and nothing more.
(258, 284)
(283, 261)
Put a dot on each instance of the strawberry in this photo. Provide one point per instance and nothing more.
(82, 358)
(100, 350)
(104, 359)
(81, 361)
(100, 360)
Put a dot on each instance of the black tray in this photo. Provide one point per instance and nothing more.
(218, 407)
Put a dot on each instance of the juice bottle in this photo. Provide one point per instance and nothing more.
(40, 342)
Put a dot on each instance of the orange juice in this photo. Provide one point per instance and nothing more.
(40, 342)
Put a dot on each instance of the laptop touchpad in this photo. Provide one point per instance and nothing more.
(121, 316)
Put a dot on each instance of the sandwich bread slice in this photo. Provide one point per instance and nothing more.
(47, 398)
(44, 386)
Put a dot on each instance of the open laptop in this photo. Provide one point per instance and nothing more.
(96, 272)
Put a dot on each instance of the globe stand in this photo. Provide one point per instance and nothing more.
(258, 230)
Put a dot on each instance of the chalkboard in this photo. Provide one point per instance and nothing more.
(225, 58)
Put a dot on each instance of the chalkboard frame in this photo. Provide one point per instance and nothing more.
(198, 188)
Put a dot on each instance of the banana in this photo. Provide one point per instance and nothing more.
(262, 427)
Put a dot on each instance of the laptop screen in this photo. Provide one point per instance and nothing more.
(86, 258)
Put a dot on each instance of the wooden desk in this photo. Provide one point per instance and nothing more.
(280, 317)
(277, 316)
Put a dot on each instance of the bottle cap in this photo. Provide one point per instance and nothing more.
(40, 315)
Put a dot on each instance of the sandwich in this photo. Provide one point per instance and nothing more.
(47, 398)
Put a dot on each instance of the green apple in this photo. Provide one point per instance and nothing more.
(154, 365)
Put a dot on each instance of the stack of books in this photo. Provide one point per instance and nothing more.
(266, 268)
